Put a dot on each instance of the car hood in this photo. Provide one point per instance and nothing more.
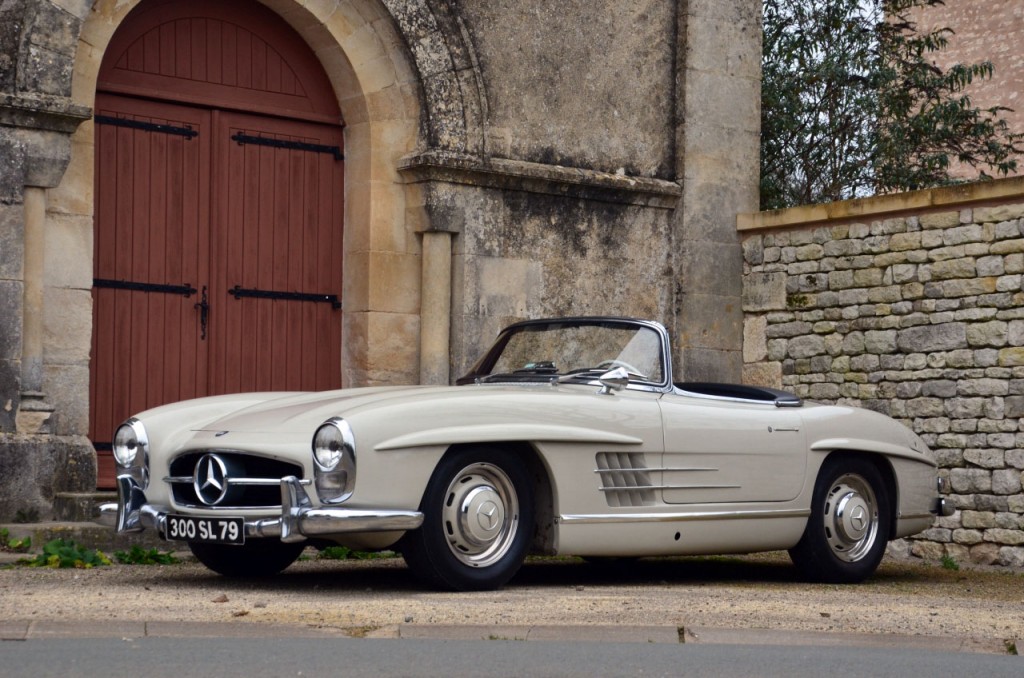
(301, 411)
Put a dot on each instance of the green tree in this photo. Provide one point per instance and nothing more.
(852, 104)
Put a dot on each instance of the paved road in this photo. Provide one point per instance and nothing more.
(258, 657)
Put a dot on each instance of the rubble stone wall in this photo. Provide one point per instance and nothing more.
(918, 315)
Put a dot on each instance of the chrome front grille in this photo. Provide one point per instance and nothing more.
(238, 480)
(625, 478)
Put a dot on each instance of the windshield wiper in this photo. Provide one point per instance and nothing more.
(519, 375)
(582, 373)
(590, 372)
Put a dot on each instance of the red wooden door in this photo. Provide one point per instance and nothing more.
(276, 290)
(152, 256)
(218, 222)
(218, 258)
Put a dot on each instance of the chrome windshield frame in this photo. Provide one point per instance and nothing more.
(481, 368)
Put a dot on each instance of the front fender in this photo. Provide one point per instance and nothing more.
(862, 445)
(505, 432)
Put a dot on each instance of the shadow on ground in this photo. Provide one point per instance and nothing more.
(538, 573)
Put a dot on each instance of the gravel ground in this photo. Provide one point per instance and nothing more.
(373, 597)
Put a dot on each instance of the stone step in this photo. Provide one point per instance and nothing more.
(87, 534)
(79, 507)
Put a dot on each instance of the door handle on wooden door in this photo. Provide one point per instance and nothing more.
(204, 313)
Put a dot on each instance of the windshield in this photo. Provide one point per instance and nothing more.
(549, 350)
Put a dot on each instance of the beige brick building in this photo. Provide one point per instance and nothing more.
(986, 30)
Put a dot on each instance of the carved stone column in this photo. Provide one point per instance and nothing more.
(35, 412)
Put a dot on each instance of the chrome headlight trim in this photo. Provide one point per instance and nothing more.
(334, 460)
(129, 439)
(131, 451)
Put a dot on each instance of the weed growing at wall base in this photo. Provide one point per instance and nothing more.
(15, 545)
(140, 556)
(59, 553)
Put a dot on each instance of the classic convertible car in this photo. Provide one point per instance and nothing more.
(568, 437)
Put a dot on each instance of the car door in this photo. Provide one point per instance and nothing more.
(726, 451)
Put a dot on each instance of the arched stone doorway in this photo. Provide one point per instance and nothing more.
(218, 212)
(376, 80)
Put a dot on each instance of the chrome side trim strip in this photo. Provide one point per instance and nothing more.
(599, 518)
(669, 487)
(652, 469)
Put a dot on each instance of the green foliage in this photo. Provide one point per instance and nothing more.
(16, 545)
(345, 553)
(334, 553)
(949, 563)
(59, 553)
(140, 556)
(853, 105)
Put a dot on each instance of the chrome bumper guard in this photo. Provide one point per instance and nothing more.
(298, 520)
(941, 506)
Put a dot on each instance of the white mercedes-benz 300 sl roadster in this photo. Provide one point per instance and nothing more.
(568, 437)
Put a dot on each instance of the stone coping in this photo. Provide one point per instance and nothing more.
(42, 111)
(886, 206)
(508, 174)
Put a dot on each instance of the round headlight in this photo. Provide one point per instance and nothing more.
(129, 439)
(328, 446)
(334, 455)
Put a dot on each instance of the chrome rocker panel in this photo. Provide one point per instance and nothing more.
(299, 520)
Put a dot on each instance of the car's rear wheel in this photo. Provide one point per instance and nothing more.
(848, 528)
(477, 521)
(254, 558)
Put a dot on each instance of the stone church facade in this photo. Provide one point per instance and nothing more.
(479, 163)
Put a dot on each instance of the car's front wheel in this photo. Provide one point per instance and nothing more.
(478, 521)
(254, 558)
(848, 528)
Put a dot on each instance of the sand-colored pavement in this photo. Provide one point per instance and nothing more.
(749, 600)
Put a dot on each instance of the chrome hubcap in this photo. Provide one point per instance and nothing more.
(851, 518)
(480, 514)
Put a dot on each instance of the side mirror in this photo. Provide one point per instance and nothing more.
(613, 380)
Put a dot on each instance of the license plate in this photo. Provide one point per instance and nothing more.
(211, 530)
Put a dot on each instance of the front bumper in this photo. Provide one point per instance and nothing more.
(298, 521)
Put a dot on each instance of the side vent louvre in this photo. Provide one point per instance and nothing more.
(625, 478)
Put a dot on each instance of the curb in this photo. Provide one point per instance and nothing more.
(130, 631)
(599, 634)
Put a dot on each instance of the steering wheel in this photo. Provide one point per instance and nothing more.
(615, 362)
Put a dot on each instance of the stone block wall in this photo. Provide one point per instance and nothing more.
(919, 316)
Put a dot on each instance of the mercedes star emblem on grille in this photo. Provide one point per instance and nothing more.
(210, 480)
